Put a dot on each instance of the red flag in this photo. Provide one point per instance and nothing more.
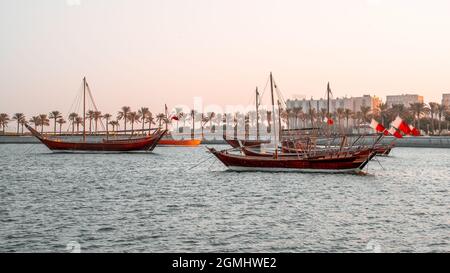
(414, 131)
(401, 125)
(329, 121)
(175, 118)
(395, 133)
(377, 127)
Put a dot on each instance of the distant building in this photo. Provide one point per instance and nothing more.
(446, 99)
(404, 99)
(352, 103)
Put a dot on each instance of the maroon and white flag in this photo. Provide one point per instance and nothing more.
(401, 125)
(414, 131)
(377, 126)
(329, 121)
(395, 132)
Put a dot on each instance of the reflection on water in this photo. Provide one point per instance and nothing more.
(163, 202)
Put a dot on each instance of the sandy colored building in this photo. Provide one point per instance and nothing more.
(446, 99)
(352, 103)
(404, 99)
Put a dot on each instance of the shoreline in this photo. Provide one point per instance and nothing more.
(412, 142)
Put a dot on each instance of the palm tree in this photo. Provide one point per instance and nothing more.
(184, 118)
(288, 117)
(72, 118)
(90, 116)
(347, 114)
(60, 121)
(107, 117)
(210, 116)
(433, 110)
(114, 124)
(55, 115)
(312, 115)
(365, 113)
(150, 120)
(43, 121)
(358, 116)
(442, 109)
(124, 115)
(4, 119)
(397, 110)
(193, 114)
(36, 121)
(383, 110)
(97, 115)
(133, 117)
(19, 117)
(203, 120)
(340, 114)
(160, 118)
(78, 121)
(297, 112)
(418, 109)
(179, 114)
(22, 124)
(143, 112)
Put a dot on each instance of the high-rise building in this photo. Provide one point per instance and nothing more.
(404, 99)
(352, 103)
(446, 99)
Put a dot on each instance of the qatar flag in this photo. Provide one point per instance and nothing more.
(329, 121)
(401, 125)
(414, 131)
(175, 118)
(377, 127)
(395, 133)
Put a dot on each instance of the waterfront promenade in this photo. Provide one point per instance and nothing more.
(418, 142)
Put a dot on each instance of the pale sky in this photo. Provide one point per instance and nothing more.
(151, 52)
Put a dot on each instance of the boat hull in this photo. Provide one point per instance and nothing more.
(179, 142)
(383, 150)
(246, 143)
(347, 164)
(145, 144)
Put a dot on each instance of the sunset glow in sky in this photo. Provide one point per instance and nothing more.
(147, 53)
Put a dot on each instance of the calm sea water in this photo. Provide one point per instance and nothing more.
(164, 202)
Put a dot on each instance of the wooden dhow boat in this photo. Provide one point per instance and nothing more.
(327, 162)
(141, 144)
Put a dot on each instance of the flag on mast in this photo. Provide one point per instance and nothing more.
(329, 121)
(414, 131)
(401, 125)
(377, 126)
(395, 133)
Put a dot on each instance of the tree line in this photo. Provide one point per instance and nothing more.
(431, 118)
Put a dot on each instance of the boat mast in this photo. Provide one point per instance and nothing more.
(84, 109)
(279, 121)
(257, 114)
(328, 100)
(273, 111)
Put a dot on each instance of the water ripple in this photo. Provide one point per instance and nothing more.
(157, 203)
